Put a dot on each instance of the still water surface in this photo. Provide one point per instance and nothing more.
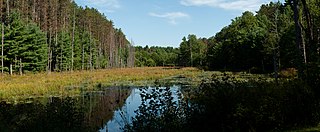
(107, 110)
(125, 114)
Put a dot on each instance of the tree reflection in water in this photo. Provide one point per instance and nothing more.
(88, 112)
(162, 109)
(56, 115)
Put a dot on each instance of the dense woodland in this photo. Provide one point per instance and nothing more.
(278, 36)
(156, 56)
(58, 35)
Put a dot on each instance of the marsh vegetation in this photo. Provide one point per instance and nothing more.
(69, 84)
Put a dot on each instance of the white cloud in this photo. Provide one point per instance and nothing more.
(104, 5)
(243, 5)
(199, 2)
(171, 16)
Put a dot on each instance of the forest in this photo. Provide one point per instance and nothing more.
(59, 35)
(277, 37)
(259, 73)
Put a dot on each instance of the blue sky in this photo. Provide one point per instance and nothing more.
(166, 22)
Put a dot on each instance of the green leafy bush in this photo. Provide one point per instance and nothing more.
(256, 105)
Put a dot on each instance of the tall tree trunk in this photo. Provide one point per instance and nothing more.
(8, 8)
(275, 66)
(34, 18)
(20, 67)
(10, 69)
(15, 62)
(111, 36)
(100, 55)
(116, 55)
(61, 57)
(299, 37)
(276, 51)
(73, 30)
(82, 59)
(1, 11)
(82, 67)
(120, 53)
(318, 46)
(311, 46)
(191, 63)
(90, 57)
(90, 50)
(49, 53)
(26, 9)
(131, 54)
(2, 44)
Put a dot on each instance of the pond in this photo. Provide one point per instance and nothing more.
(124, 115)
(110, 109)
(223, 104)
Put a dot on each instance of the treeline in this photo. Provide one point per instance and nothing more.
(59, 35)
(267, 41)
(262, 42)
(156, 56)
(192, 52)
(277, 36)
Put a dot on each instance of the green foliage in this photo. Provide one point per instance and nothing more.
(75, 37)
(263, 41)
(156, 56)
(230, 105)
(192, 51)
(25, 42)
(158, 112)
(239, 44)
(63, 51)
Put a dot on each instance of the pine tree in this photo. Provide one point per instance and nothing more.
(25, 45)
(63, 51)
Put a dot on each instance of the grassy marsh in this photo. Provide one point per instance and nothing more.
(71, 83)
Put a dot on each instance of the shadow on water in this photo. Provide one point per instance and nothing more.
(161, 109)
(88, 112)
(142, 97)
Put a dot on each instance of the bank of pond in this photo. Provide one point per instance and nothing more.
(220, 103)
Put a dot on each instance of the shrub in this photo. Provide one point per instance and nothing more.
(288, 73)
(255, 105)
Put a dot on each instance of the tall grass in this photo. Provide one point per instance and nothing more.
(71, 83)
